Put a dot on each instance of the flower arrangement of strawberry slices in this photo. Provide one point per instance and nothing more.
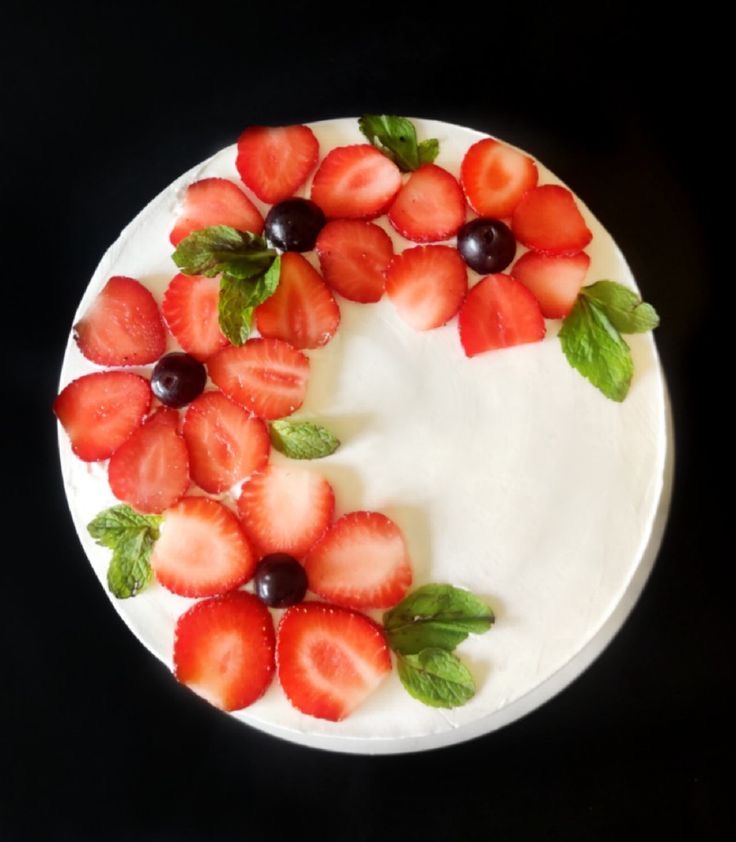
(203, 511)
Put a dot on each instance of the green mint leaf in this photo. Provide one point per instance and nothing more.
(595, 348)
(437, 678)
(396, 137)
(239, 297)
(219, 249)
(428, 151)
(623, 307)
(131, 537)
(435, 617)
(302, 439)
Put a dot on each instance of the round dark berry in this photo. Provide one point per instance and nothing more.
(280, 580)
(486, 245)
(178, 379)
(293, 225)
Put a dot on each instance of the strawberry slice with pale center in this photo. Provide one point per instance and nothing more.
(548, 220)
(224, 650)
(215, 201)
(430, 206)
(329, 659)
(190, 311)
(202, 550)
(302, 311)
(362, 562)
(495, 177)
(554, 280)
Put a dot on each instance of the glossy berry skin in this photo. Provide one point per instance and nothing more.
(293, 225)
(178, 379)
(280, 580)
(486, 245)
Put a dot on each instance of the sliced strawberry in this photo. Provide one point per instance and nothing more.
(302, 311)
(362, 562)
(548, 220)
(286, 509)
(100, 411)
(225, 443)
(224, 649)
(150, 471)
(495, 177)
(329, 659)
(430, 206)
(190, 310)
(498, 312)
(122, 326)
(427, 285)
(354, 256)
(355, 182)
(215, 201)
(266, 376)
(202, 550)
(554, 280)
(275, 162)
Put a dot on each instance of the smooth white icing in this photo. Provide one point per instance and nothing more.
(508, 473)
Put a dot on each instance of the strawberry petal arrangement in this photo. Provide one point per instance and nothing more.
(193, 407)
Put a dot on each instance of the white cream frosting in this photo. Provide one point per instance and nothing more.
(508, 473)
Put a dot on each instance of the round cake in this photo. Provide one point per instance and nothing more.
(506, 472)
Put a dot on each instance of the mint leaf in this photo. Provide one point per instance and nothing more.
(595, 348)
(240, 296)
(396, 137)
(435, 616)
(131, 537)
(302, 439)
(222, 249)
(623, 307)
(437, 678)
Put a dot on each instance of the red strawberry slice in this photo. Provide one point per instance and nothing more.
(202, 550)
(122, 326)
(495, 177)
(329, 659)
(275, 162)
(355, 182)
(225, 443)
(266, 376)
(427, 285)
(362, 562)
(215, 201)
(302, 311)
(224, 649)
(548, 220)
(354, 256)
(430, 206)
(150, 471)
(554, 280)
(498, 312)
(285, 509)
(100, 411)
(190, 310)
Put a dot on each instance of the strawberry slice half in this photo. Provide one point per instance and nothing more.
(427, 285)
(495, 177)
(190, 311)
(355, 182)
(302, 311)
(285, 509)
(499, 311)
(430, 206)
(224, 650)
(122, 326)
(100, 411)
(225, 443)
(354, 256)
(266, 376)
(554, 280)
(215, 201)
(275, 162)
(329, 659)
(362, 562)
(548, 220)
(150, 471)
(202, 550)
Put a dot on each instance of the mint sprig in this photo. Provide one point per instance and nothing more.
(436, 678)
(396, 138)
(240, 296)
(302, 439)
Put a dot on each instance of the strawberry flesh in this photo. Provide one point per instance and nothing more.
(430, 206)
(554, 280)
(190, 311)
(548, 220)
(495, 177)
(215, 201)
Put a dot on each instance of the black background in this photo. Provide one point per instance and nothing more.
(101, 109)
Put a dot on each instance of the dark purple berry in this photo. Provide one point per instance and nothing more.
(293, 225)
(486, 245)
(178, 379)
(280, 580)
